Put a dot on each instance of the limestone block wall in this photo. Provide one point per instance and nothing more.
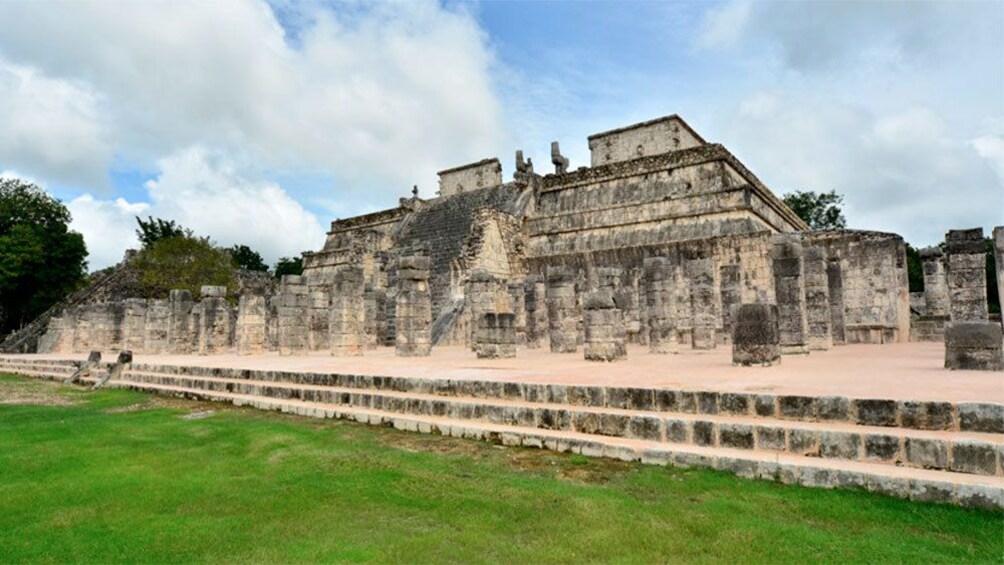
(413, 307)
(875, 283)
(318, 302)
(180, 332)
(653, 137)
(605, 335)
(967, 278)
(485, 293)
(704, 302)
(562, 310)
(474, 176)
(659, 298)
(134, 324)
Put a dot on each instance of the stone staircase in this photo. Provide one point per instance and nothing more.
(932, 451)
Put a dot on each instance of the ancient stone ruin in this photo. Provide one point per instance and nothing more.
(678, 232)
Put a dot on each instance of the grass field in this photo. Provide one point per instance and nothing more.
(119, 476)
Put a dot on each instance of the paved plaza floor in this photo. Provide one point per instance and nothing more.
(905, 371)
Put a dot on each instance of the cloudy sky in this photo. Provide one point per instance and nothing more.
(259, 123)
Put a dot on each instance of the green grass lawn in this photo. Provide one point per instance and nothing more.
(121, 476)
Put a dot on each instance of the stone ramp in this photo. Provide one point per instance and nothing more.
(941, 451)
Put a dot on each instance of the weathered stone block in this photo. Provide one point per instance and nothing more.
(755, 336)
(876, 412)
(734, 403)
(981, 417)
(704, 433)
(927, 453)
(921, 415)
(646, 427)
(770, 437)
(803, 442)
(678, 431)
(738, 436)
(834, 408)
(797, 407)
(840, 445)
(879, 447)
(974, 346)
(975, 457)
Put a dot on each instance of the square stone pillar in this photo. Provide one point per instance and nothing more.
(251, 322)
(374, 317)
(485, 293)
(755, 336)
(835, 284)
(292, 316)
(215, 327)
(318, 317)
(974, 346)
(662, 336)
(703, 296)
(413, 307)
(347, 312)
(134, 324)
(817, 300)
(936, 301)
(495, 335)
(789, 291)
(998, 237)
(730, 281)
(562, 314)
(179, 332)
(157, 327)
(535, 303)
(967, 276)
(605, 335)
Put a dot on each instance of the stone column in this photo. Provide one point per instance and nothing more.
(604, 328)
(974, 346)
(835, 282)
(251, 322)
(318, 317)
(413, 307)
(484, 293)
(535, 303)
(373, 316)
(292, 316)
(659, 306)
(998, 237)
(702, 302)
(817, 300)
(156, 327)
(179, 331)
(495, 335)
(562, 316)
(347, 313)
(731, 296)
(272, 323)
(789, 290)
(755, 337)
(517, 300)
(936, 300)
(134, 324)
(967, 277)
(683, 310)
(81, 329)
(215, 321)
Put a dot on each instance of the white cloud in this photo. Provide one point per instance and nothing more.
(991, 148)
(205, 192)
(51, 126)
(378, 95)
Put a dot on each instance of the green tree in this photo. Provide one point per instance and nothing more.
(247, 259)
(41, 261)
(156, 229)
(821, 210)
(288, 266)
(993, 300)
(183, 262)
(915, 269)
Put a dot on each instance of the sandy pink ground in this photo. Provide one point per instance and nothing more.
(898, 371)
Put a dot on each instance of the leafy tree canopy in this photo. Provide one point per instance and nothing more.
(41, 261)
(184, 262)
(821, 210)
(156, 229)
(914, 269)
(247, 259)
(289, 266)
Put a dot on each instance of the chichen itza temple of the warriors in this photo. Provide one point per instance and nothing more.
(661, 305)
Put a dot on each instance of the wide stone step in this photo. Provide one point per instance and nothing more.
(917, 484)
(924, 415)
(966, 452)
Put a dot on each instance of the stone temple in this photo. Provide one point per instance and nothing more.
(655, 189)
(741, 340)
